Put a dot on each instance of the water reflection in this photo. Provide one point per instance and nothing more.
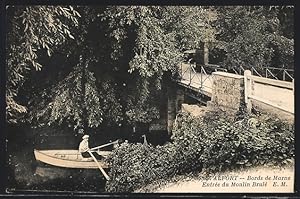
(63, 179)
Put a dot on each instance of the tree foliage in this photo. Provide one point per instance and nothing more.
(139, 45)
(31, 29)
(110, 103)
(160, 34)
(126, 52)
(254, 36)
(74, 100)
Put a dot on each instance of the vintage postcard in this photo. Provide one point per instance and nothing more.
(150, 99)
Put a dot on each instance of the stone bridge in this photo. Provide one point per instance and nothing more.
(229, 92)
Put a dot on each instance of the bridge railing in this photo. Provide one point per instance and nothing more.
(276, 93)
(282, 73)
(268, 72)
(200, 76)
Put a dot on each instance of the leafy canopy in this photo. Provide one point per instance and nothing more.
(118, 57)
(255, 36)
(31, 29)
(160, 35)
(139, 45)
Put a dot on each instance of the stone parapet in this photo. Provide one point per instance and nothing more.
(227, 93)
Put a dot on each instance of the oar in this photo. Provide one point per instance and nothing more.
(100, 168)
(104, 145)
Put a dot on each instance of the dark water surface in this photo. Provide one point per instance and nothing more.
(26, 174)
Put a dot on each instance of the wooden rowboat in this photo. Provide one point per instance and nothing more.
(70, 159)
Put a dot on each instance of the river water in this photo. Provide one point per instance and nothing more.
(25, 174)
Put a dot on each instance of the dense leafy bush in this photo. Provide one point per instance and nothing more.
(211, 142)
(135, 165)
(251, 141)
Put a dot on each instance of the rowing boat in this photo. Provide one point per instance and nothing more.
(70, 159)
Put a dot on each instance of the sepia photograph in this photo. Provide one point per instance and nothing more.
(150, 99)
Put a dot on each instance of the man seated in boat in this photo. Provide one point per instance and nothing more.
(84, 148)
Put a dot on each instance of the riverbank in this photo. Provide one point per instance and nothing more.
(261, 179)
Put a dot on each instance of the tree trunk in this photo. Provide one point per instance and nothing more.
(84, 64)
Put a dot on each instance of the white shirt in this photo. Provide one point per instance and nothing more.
(84, 146)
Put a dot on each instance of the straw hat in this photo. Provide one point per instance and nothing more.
(85, 137)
